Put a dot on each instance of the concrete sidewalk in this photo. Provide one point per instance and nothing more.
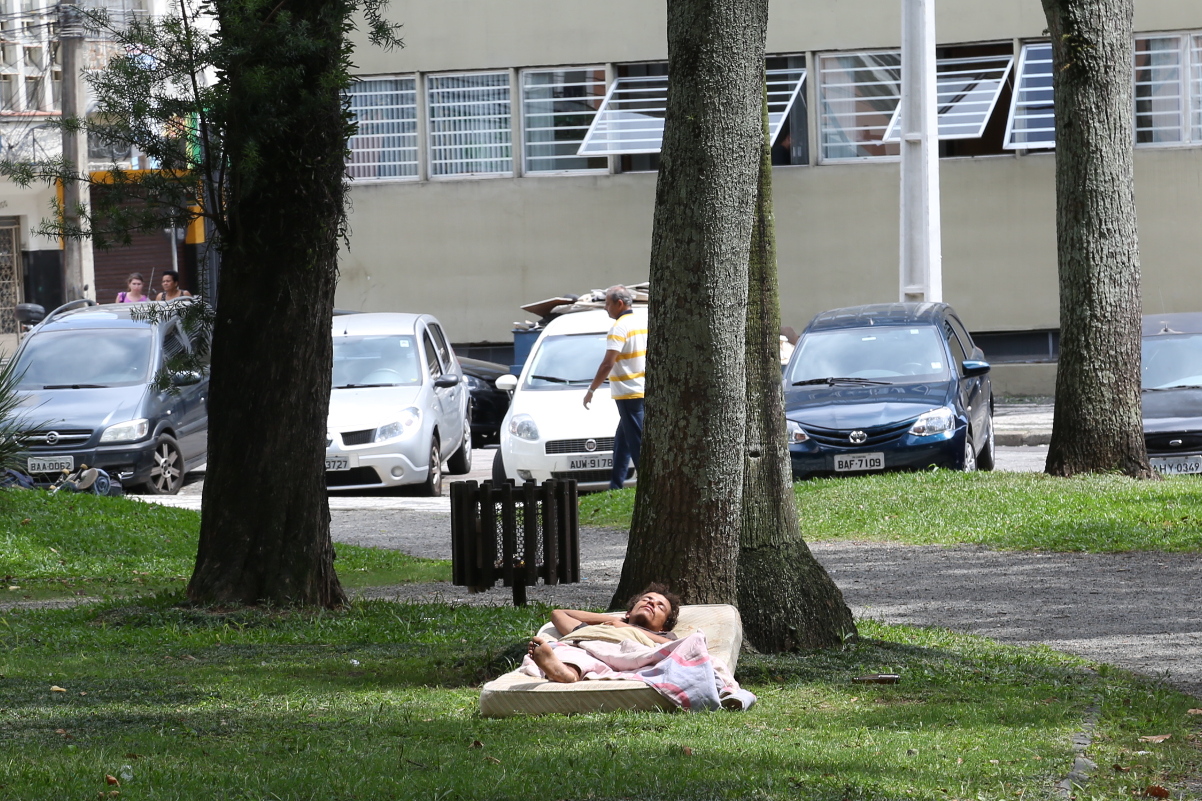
(1022, 423)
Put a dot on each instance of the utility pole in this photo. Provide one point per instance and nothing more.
(921, 264)
(76, 258)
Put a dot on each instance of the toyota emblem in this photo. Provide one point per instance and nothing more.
(52, 438)
(858, 438)
(590, 445)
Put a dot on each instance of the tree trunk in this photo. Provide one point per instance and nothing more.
(1098, 423)
(265, 522)
(786, 598)
(686, 517)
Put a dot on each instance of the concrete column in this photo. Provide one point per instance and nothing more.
(921, 260)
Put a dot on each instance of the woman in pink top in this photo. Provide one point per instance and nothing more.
(133, 289)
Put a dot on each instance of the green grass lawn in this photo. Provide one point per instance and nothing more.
(1021, 511)
(380, 701)
(81, 544)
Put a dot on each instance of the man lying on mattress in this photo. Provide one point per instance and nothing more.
(641, 646)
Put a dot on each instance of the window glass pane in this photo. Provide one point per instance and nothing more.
(967, 89)
(375, 361)
(858, 93)
(1195, 91)
(385, 145)
(791, 139)
(470, 128)
(1032, 121)
(559, 106)
(432, 362)
(1159, 90)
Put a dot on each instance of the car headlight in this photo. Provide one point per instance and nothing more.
(477, 384)
(795, 432)
(523, 426)
(410, 419)
(935, 421)
(131, 431)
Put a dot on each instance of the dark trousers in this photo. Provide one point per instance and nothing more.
(628, 440)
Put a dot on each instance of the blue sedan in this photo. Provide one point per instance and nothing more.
(897, 386)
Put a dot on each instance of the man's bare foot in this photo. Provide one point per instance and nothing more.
(549, 663)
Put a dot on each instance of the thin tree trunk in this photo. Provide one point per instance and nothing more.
(686, 519)
(786, 598)
(1097, 424)
(265, 522)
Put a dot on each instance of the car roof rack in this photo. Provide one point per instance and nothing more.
(78, 303)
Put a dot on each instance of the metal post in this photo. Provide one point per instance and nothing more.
(75, 153)
(921, 263)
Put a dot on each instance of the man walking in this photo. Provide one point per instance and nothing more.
(624, 365)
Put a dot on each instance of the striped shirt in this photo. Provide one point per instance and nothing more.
(628, 337)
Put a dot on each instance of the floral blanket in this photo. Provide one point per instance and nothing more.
(683, 671)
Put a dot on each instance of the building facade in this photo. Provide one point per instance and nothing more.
(507, 153)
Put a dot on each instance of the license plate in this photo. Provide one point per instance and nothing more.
(51, 464)
(1177, 465)
(591, 463)
(339, 462)
(845, 463)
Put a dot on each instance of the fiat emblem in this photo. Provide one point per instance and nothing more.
(858, 438)
(52, 438)
(590, 445)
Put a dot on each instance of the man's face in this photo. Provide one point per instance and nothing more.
(614, 307)
(650, 611)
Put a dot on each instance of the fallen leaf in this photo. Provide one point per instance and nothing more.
(81, 692)
(684, 749)
(1155, 738)
(54, 688)
(1194, 712)
(493, 760)
(476, 744)
(51, 550)
(994, 762)
(60, 731)
(132, 755)
(25, 522)
(1156, 791)
(1119, 768)
(111, 780)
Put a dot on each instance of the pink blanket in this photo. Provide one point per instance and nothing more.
(683, 671)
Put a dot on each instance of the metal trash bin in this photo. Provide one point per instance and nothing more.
(514, 534)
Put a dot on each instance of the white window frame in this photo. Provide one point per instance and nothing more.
(1189, 89)
(1019, 99)
(1194, 77)
(824, 87)
(444, 140)
(401, 120)
(605, 135)
(526, 142)
(947, 75)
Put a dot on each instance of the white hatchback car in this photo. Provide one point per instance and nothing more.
(398, 404)
(547, 432)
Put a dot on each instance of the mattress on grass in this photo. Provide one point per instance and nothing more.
(515, 693)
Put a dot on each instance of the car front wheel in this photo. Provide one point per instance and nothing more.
(433, 485)
(970, 455)
(987, 458)
(167, 475)
(498, 469)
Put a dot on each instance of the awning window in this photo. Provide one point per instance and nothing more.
(1032, 121)
(967, 91)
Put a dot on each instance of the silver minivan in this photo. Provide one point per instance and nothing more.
(399, 407)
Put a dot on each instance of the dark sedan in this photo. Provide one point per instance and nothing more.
(897, 386)
(1172, 391)
(489, 404)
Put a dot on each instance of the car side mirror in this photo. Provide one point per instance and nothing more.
(185, 378)
(973, 368)
(447, 380)
(507, 383)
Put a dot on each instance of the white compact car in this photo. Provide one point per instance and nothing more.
(547, 432)
(398, 404)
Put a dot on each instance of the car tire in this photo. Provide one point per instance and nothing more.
(433, 486)
(460, 462)
(498, 469)
(167, 475)
(970, 455)
(987, 458)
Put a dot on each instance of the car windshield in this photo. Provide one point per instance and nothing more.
(564, 361)
(1171, 361)
(85, 358)
(376, 361)
(891, 355)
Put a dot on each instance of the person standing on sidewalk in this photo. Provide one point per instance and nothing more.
(624, 365)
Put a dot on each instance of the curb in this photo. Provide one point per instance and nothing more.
(1022, 438)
